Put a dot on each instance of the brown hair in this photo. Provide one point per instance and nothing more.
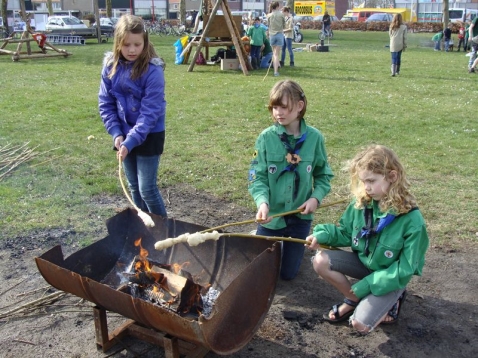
(397, 21)
(132, 24)
(273, 6)
(290, 90)
(379, 159)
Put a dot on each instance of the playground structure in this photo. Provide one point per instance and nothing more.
(46, 49)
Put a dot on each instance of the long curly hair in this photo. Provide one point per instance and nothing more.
(132, 24)
(379, 159)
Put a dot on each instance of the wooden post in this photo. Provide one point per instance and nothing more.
(97, 17)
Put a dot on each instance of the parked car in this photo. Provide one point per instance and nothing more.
(64, 23)
(332, 18)
(349, 18)
(68, 25)
(303, 18)
(380, 16)
(107, 26)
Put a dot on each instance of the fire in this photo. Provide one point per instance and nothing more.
(142, 264)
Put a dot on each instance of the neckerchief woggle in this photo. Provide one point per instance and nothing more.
(292, 167)
(368, 231)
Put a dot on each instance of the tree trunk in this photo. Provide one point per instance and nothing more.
(182, 12)
(109, 9)
(446, 6)
(4, 14)
(49, 5)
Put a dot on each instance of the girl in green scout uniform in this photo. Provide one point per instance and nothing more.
(388, 238)
(289, 171)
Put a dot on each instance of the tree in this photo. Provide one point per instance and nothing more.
(182, 11)
(446, 6)
(109, 9)
(4, 13)
(49, 5)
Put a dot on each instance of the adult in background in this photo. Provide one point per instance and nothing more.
(276, 22)
(398, 42)
(447, 37)
(288, 36)
(473, 40)
(326, 23)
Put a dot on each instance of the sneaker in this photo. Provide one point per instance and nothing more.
(471, 70)
(276, 74)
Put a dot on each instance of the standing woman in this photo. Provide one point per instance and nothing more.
(398, 42)
(276, 22)
(133, 108)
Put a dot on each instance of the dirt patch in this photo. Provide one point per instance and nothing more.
(439, 318)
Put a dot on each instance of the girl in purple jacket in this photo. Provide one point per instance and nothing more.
(132, 107)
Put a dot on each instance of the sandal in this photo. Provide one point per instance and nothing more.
(335, 309)
(395, 310)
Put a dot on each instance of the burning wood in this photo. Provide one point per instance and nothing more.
(158, 284)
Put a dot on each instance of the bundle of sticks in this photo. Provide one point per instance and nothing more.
(212, 233)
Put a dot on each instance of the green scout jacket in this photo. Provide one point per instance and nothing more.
(396, 253)
(269, 160)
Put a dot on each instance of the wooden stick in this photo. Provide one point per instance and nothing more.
(52, 297)
(273, 216)
(277, 238)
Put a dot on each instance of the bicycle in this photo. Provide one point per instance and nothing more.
(326, 33)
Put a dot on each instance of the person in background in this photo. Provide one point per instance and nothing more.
(289, 171)
(288, 36)
(276, 22)
(467, 28)
(473, 40)
(326, 23)
(461, 38)
(398, 42)
(388, 239)
(133, 108)
(447, 37)
(266, 54)
(257, 36)
(437, 40)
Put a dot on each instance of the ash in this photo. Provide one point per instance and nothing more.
(208, 301)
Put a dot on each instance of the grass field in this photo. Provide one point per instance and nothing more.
(426, 115)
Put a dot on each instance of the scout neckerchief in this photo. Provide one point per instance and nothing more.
(293, 159)
(369, 230)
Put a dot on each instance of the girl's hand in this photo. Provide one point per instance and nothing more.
(262, 212)
(122, 153)
(314, 245)
(309, 206)
(118, 141)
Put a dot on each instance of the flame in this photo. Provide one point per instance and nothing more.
(143, 263)
(175, 267)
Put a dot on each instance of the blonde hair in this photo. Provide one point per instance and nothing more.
(397, 21)
(290, 90)
(379, 159)
(132, 24)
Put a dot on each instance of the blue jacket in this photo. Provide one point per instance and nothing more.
(132, 109)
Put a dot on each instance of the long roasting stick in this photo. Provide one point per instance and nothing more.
(145, 217)
(272, 216)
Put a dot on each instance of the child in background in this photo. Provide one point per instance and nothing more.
(257, 36)
(398, 42)
(388, 238)
(437, 40)
(266, 54)
(289, 171)
(447, 37)
(288, 37)
(461, 38)
(132, 107)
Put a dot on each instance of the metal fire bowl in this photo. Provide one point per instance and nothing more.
(245, 271)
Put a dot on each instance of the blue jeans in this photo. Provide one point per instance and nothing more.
(256, 52)
(474, 50)
(447, 45)
(142, 173)
(266, 60)
(396, 57)
(292, 253)
(287, 45)
(438, 45)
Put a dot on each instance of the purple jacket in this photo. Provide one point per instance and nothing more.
(132, 109)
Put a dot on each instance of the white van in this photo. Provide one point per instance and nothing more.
(462, 14)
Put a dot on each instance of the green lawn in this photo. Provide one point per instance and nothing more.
(426, 115)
